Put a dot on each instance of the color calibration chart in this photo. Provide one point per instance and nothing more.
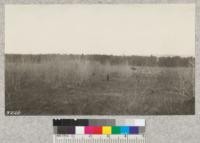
(99, 131)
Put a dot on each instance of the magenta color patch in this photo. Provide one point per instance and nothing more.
(89, 129)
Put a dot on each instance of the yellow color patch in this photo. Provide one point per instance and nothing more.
(106, 130)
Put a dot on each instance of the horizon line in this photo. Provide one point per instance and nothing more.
(100, 54)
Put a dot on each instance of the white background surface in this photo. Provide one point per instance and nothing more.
(159, 129)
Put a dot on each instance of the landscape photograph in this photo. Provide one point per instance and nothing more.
(100, 59)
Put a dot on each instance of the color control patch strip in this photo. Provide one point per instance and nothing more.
(99, 131)
(99, 126)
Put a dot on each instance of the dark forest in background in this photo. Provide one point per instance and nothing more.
(165, 61)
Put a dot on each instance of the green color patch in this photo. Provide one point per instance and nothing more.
(115, 130)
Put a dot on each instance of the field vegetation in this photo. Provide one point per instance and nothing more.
(99, 85)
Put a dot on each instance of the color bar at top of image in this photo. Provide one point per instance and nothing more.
(84, 122)
(130, 122)
(102, 122)
(70, 122)
(99, 122)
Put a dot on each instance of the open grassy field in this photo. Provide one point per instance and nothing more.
(86, 87)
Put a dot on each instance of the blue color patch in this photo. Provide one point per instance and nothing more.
(134, 130)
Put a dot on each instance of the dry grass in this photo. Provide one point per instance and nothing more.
(81, 87)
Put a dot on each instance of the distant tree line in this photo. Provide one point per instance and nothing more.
(168, 61)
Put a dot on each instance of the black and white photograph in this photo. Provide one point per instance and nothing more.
(100, 59)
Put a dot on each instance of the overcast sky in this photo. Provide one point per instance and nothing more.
(146, 29)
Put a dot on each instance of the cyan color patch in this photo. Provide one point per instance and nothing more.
(124, 130)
